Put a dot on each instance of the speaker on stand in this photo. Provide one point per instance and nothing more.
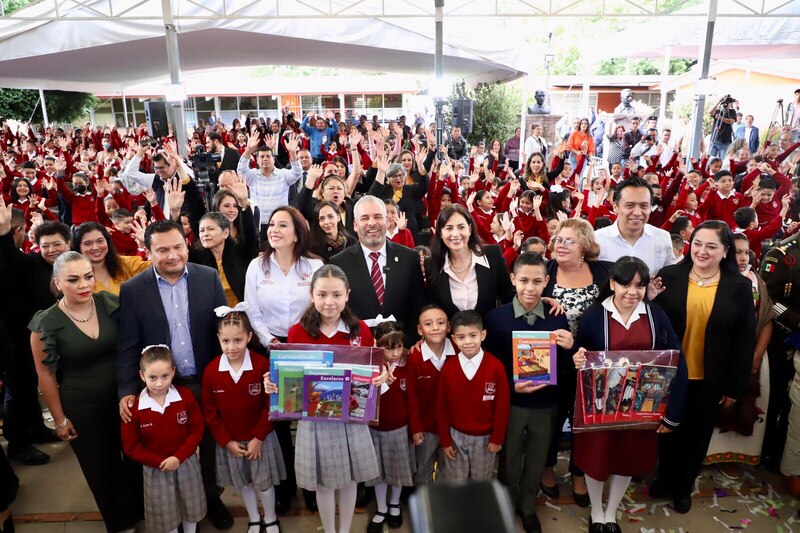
(157, 121)
(462, 115)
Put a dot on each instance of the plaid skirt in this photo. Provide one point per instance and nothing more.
(262, 473)
(333, 455)
(397, 461)
(473, 460)
(173, 497)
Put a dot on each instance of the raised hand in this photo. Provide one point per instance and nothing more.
(402, 221)
(5, 217)
(238, 188)
(175, 194)
(150, 196)
(314, 173)
(292, 145)
(382, 163)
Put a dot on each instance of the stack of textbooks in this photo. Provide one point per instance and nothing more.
(534, 356)
(312, 387)
(624, 390)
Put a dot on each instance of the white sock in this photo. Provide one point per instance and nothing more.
(380, 499)
(347, 506)
(189, 527)
(397, 490)
(268, 504)
(617, 485)
(251, 503)
(170, 531)
(595, 489)
(326, 504)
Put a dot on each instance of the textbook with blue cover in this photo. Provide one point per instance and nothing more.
(326, 394)
(277, 360)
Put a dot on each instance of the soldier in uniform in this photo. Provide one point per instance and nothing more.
(781, 273)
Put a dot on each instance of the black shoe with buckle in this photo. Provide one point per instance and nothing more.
(395, 521)
(613, 527)
(264, 526)
(550, 492)
(377, 527)
(596, 527)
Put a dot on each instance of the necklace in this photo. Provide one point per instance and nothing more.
(73, 317)
(701, 280)
(466, 267)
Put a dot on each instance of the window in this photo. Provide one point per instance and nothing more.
(248, 103)
(393, 101)
(374, 100)
(309, 104)
(354, 101)
(330, 102)
(204, 103)
(228, 103)
(267, 102)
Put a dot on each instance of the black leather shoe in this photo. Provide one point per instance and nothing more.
(310, 498)
(29, 456)
(377, 527)
(531, 524)
(395, 521)
(280, 507)
(8, 525)
(682, 505)
(550, 492)
(596, 527)
(219, 515)
(613, 527)
(264, 526)
(658, 489)
(45, 436)
(581, 500)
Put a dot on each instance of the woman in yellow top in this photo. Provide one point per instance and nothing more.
(110, 269)
(710, 305)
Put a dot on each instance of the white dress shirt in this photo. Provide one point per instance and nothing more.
(277, 300)
(534, 145)
(268, 192)
(640, 310)
(465, 293)
(654, 247)
(470, 366)
(381, 264)
(225, 366)
(438, 362)
(147, 402)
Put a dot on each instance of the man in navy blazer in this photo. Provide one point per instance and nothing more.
(399, 267)
(750, 134)
(173, 303)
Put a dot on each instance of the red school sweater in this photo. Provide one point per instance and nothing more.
(84, 206)
(479, 406)
(298, 335)
(395, 402)
(151, 437)
(236, 411)
(717, 208)
(423, 388)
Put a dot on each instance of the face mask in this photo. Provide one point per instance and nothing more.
(655, 201)
(107, 146)
(79, 189)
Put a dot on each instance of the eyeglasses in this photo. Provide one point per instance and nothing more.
(53, 245)
(566, 242)
(159, 168)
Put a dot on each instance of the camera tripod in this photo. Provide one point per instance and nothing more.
(778, 112)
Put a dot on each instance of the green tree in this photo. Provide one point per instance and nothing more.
(62, 106)
(495, 108)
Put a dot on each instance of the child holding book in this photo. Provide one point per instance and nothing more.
(332, 455)
(425, 362)
(390, 438)
(236, 410)
(165, 429)
(473, 403)
(533, 406)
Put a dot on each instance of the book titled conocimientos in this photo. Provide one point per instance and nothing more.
(534, 356)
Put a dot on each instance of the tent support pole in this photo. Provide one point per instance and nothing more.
(700, 99)
(44, 108)
(523, 115)
(662, 111)
(125, 109)
(173, 58)
(438, 69)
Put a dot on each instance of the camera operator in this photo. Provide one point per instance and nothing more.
(724, 116)
(225, 158)
(647, 145)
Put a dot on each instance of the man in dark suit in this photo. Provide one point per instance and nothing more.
(172, 304)
(386, 277)
(229, 158)
(750, 134)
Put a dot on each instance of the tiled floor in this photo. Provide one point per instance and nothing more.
(54, 498)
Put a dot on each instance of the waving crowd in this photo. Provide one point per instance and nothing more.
(142, 300)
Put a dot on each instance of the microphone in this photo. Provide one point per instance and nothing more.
(386, 269)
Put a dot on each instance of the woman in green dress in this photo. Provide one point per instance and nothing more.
(74, 346)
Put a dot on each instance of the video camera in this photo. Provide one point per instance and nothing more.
(205, 167)
(726, 101)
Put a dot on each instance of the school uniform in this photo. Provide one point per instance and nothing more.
(719, 207)
(395, 454)
(333, 454)
(155, 433)
(236, 409)
(472, 410)
(424, 371)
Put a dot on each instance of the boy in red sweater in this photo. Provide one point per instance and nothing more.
(722, 201)
(747, 221)
(474, 403)
(425, 362)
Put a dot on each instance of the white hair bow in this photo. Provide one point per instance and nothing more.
(224, 310)
(378, 320)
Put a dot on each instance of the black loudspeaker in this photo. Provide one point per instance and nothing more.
(157, 122)
(462, 115)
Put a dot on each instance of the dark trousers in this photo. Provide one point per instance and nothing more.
(288, 487)
(208, 450)
(565, 411)
(681, 453)
(781, 372)
(23, 414)
(9, 482)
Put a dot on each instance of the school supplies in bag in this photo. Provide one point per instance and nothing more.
(624, 389)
